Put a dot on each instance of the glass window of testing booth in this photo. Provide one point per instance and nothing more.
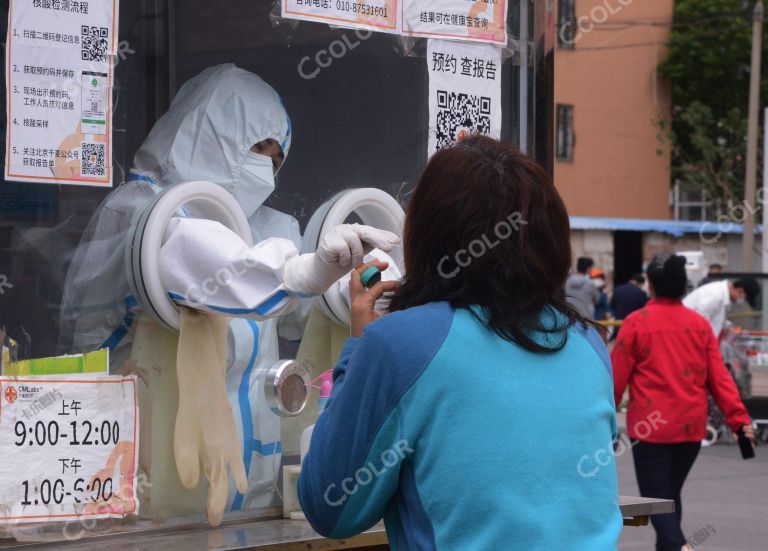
(341, 108)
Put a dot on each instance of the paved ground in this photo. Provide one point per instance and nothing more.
(725, 502)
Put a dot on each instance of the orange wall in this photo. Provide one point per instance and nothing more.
(611, 82)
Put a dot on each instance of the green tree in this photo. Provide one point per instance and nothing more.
(708, 153)
(708, 66)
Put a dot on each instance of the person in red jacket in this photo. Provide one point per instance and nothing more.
(670, 358)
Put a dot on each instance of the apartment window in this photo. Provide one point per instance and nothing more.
(565, 138)
(566, 24)
(694, 205)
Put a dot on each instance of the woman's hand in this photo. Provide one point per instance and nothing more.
(749, 432)
(363, 301)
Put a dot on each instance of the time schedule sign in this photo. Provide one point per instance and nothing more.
(69, 447)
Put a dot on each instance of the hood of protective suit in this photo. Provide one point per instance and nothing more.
(209, 129)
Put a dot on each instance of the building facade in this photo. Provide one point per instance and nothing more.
(610, 165)
(609, 161)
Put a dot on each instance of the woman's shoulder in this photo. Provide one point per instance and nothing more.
(693, 319)
(638, 318)
(423, 327)
(409, 339)
(676, 312)
(414, 322)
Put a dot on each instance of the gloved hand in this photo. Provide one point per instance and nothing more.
(205, 428)
(340, 250)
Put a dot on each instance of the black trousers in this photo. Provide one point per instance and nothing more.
(661, 470)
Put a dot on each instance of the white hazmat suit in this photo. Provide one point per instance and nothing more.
(208, 134)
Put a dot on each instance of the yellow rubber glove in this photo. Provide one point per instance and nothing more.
(205, 425)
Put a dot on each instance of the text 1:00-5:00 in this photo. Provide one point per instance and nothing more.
(362, 9)
(55, 492)
(49, 433)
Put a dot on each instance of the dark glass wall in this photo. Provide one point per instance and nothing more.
(360, 121)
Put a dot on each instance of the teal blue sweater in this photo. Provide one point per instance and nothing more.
(462, 440)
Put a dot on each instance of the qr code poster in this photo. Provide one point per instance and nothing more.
(60, 73)
(464, 92)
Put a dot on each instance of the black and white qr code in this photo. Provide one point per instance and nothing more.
(94, 42)
(92, 159)
(460, 115)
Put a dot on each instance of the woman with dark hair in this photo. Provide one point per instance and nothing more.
(669, 357)
(478, 413)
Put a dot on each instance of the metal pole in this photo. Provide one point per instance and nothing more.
(748, 239)
(764, 195)
(523, 104)
(763, 201)
(171, 51)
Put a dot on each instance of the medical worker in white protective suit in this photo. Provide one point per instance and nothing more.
(229, 127)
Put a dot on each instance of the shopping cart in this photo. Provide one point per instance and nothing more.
(744, 353)
(754, 344)
(739, 351)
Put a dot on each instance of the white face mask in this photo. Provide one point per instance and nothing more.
(255, 182)
(599, 282)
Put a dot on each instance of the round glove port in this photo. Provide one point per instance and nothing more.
(202, 200)
(373, 207)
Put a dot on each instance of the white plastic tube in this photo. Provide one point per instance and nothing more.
(199, 199)
(375, 208)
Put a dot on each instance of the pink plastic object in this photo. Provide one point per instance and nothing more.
(326, 384)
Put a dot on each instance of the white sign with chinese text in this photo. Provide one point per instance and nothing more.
(69, 448)
(472, 20)
(467, 20)
(58, 91)
(378, 15)
(464, 92)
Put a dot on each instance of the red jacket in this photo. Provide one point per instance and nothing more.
(669, 356)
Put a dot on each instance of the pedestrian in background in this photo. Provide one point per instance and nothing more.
(711, 276)
(602, 309)
(714, 300)
(627, 298)
(669, 357)
(580, 292)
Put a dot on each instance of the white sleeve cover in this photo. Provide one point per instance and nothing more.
(205, 265)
